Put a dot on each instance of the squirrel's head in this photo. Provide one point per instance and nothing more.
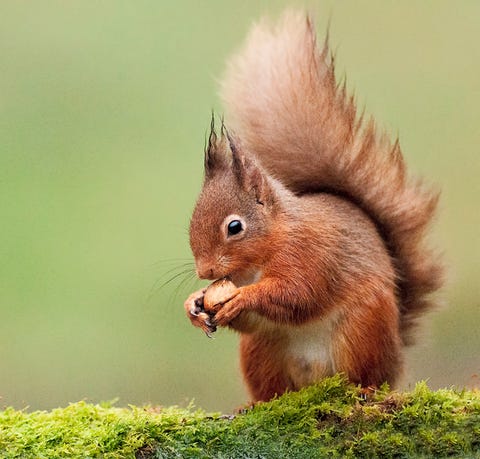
(234, 212)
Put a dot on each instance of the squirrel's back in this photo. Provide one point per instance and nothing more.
(285, 106)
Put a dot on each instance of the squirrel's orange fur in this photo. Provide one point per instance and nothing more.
(327, 233)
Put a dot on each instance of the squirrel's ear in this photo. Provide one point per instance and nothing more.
(215, 151)
(248, 174)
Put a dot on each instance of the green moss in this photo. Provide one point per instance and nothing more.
(331, 419)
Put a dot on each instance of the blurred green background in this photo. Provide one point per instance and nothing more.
(103, 112)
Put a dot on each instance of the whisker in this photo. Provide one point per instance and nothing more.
(190, 279)
(175, 276)
(161, 283)
(186, 266)
(184, 288)
(185, 261)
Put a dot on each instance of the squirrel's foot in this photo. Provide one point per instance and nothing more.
(244, 409)
(196, 313)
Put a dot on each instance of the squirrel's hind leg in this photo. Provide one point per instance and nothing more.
(261, 363)
(367, 346)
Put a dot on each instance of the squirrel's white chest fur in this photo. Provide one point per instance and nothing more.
(310, 341)
(308, 351)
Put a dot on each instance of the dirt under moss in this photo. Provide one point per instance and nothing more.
(331, 419)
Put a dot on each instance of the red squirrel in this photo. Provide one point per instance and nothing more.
(308, 217)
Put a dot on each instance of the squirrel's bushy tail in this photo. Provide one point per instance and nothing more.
(285, 106)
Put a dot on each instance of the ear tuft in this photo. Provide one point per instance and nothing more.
(215, 157)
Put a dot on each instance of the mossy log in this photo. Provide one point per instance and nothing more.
(331, 419)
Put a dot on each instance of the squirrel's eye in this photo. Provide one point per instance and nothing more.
(234, 227)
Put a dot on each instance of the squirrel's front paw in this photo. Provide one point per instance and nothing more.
(229, 311)
(217, 294)
(194, 307)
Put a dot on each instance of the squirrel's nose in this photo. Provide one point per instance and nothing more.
(205, 271)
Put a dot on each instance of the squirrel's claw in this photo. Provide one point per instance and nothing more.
(202, 320)
(210, 333)
(209, 328)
